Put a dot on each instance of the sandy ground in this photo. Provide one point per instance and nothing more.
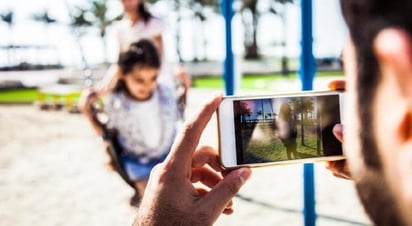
(53, 173)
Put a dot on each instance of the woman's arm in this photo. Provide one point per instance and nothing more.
(109, 81)
(158, 41)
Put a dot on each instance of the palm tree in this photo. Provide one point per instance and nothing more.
(8, 17)
(79, 23)
(198, 7)
(99, 10)
(250, 19)
(45, 18)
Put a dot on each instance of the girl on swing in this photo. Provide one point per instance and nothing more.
(144, 113)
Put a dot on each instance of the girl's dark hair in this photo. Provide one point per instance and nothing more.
(142, 54)
(143, 12)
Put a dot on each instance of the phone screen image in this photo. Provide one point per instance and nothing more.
(286, 128)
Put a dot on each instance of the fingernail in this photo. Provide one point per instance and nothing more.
(217, 94)
(244, 174)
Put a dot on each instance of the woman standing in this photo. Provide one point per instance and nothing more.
(137, 24)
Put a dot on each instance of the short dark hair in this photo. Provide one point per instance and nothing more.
(141, 54)
(365, 19)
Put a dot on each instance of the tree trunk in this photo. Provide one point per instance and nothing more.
(251, 46)
(178, 27)
(9, 47)
(302, 120)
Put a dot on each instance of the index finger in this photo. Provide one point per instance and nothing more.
(182, 150)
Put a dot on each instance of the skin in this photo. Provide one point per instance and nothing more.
(129, 8)
(172, 197)
(393, 122)
(392, 119)
(141, 82)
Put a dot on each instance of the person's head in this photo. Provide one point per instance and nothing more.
(139, 67)
(285, 111)
(378, 132)
(136, 7)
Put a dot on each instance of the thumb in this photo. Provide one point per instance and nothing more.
(225, 190)
(338, 132)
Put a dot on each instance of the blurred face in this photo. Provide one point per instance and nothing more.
(130, 6)
(385, 191)
(141, 82)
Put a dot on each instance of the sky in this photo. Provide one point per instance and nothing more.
(329, 33)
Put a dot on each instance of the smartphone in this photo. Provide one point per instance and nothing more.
(279, 129)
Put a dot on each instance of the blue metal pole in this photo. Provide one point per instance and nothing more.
(307, 61)
(306, 74)
(229, 71)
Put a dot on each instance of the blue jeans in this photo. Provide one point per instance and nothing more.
(139, 171)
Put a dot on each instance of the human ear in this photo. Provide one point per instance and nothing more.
(393, 48)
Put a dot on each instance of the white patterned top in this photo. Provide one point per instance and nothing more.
(146, 129)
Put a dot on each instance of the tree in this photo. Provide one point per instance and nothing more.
(95, 14)
(99, 10)
(78, 24)
(198, 8)
(250, 19)
(302, 106)
(8, 18)
(242, 109)
(45, 18)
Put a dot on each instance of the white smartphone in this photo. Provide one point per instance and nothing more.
(279, 129)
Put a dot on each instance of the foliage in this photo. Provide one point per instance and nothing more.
(99, 9)
(302, 106)
(250, 18)
(79, 19)
(8, 17)
(94, 15)
(44, 18)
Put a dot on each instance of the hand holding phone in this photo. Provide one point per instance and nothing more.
(279, 129)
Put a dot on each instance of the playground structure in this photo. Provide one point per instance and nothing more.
(306, 73)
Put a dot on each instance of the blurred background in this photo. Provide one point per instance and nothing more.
(53, 168)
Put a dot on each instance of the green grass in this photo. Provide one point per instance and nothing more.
(249, 82)
(253, 82)
(271, 149)
(20, 96)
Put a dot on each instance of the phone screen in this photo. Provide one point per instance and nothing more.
(286, 128)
